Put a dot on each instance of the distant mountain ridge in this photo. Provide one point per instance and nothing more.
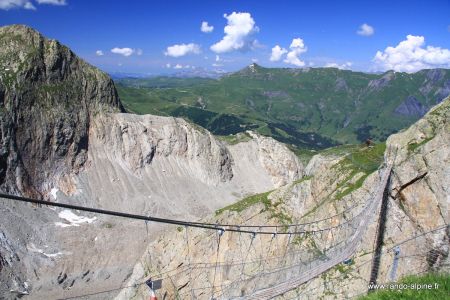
(312, 107)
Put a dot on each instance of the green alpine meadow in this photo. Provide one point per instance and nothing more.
(313, 107)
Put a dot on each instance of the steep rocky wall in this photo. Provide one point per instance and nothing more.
(146, 165)
(190, 262)
(170, 167)
(418, 203)
(47, 98)
(275, 158)
(63, 140)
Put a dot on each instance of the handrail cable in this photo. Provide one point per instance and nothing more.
(232, 228)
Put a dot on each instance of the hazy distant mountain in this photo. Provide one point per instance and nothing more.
(121, 75)
(199, 72)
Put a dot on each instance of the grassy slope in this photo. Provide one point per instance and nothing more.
(308, 109)
(357, 160)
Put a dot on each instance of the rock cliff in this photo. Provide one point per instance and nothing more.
(65, 138)
(47, 99)
(337, 182)
(418, 204)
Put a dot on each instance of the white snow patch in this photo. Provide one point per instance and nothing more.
(64, 225)
(33, 248)
(73, 219)
(53, 192)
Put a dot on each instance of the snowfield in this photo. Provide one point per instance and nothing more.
(73, 219)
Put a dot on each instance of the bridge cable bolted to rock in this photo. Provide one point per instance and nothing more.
(308, 293)
(253, 230)
(245, 278)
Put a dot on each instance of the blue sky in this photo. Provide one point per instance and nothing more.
(145, 34)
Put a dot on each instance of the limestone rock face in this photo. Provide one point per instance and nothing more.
(424, 155)
(137, 140)
(418, 205)
(64, 139)
(182, 170)
(278, 161)
(311, 198)
(334, 189)
(145, 165)
(420, 191)
(47, 98)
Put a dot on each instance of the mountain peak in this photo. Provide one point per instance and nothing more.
(20, 32)
(19, 28)
(254, 67)
(46, 91)
(251, 69)
(28, 59)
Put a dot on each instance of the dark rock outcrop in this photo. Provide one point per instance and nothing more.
(411, 107)
(443, 92)
(435, 75)
(341, 85)
(378, 84)
(275, 94)
(47, 97)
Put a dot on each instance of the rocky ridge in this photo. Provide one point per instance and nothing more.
(334, 181)
(47, 99)
(65, 140)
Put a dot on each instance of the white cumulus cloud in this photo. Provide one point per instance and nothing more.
(26, 4)
(238, 33)
(366, 30)
(410, 56)
(11, 4)
(99, 53)
(123, 51)
(277, 53)
(344, 66)
(182, 50)
(52, 2)
(206, 27)
(297, 47)
(180, 66)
